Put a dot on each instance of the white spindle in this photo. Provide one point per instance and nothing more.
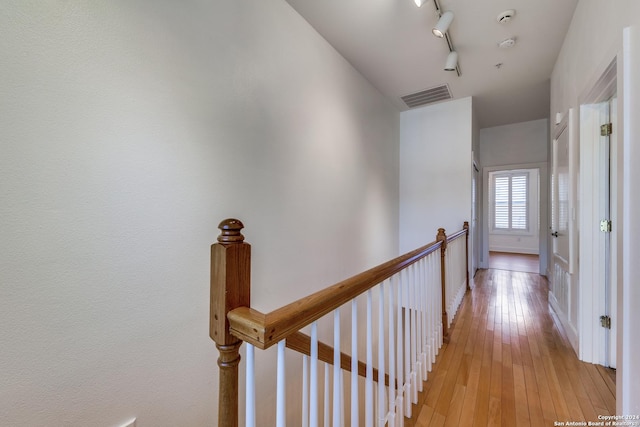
(327, 417)
(431, 308)
(414, 353)
(337, 391)
(305, 391)
(399, 348)
(434, 306)
(381, 359)
(281, 389)
(354, 364)
(392, 352)
(368, 398)
(313, 392)
(438, 288)
(424, 335)
(407, 348)
(418, 314)
(342, 401)
(250, 409)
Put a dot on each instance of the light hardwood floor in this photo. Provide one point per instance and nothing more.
(508, 364)
(514, 262)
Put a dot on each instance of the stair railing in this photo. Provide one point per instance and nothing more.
(403, 303)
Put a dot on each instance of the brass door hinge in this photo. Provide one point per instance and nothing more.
(606, 129)
(605, 321)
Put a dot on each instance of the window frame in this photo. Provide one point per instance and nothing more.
(510, 175)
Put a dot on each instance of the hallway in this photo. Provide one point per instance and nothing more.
(508, 364)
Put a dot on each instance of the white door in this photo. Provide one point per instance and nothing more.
(560, 181)
(597, 290)
(562, 292)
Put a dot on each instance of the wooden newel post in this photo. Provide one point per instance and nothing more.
(442, 237)
(466, 248)
(230, 288)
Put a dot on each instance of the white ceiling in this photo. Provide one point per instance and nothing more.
(391, 44)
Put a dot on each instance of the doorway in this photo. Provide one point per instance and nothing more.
(514, 220)
(537, 221)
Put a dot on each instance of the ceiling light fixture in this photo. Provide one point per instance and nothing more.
(443, 24)
(452, 61)
(419, 2)
(441, 31)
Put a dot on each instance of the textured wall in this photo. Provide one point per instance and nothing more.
(128, 131)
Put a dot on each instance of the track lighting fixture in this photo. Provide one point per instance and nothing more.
(443, 24)
(419, 2)
(452, 61)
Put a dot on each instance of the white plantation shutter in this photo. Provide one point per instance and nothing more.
(519, 206)
(510, 201)
(501, 202)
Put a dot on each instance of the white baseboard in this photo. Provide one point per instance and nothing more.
(514, 250)
(569, 330)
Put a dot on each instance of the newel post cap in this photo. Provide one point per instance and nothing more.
(230, 231)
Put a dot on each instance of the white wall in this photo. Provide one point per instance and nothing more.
(514, 146)
(585, 54)
(435, 170)
(524, 142)
(129, 130)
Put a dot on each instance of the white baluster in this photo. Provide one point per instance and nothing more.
(431, 308)
(424, 336)
(407, 347)
(337, 391)
(250, 409)
(354, 364)
(418, 314)
(342, 401)
(327, 417)
(368, 398)
(392, 351)
(439, 305)
(399, 348)
(313, 392)
(305, 391)
(381, 364)
(414, 354)
(281, 389)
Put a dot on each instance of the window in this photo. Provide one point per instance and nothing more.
(510, 201)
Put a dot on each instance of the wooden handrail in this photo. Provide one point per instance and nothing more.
(457, 234)
(265, 330)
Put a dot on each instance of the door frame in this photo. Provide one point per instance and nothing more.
(543, 217)
(591, 266)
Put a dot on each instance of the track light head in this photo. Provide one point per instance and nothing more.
(452, 61)
(443, 24)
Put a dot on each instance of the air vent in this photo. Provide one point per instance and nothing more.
(429, 96)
